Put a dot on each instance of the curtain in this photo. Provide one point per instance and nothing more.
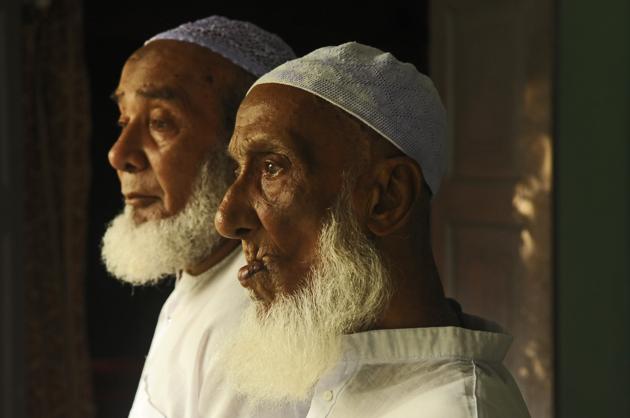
(57, 171)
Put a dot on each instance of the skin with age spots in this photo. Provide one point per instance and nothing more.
(173, 112)
(293, 150)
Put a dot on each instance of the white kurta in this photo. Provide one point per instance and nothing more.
(181, 376)
(445, 372)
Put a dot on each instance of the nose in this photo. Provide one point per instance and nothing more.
(236, 217)
(127, 153)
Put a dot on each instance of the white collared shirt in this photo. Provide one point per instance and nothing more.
(181, 376)
(445, 372)
(442, 372)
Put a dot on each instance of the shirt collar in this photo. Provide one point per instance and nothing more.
(489, 344)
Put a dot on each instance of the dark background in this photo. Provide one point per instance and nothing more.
(121, 319)
(591, 195)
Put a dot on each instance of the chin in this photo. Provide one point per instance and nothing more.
(147, 214)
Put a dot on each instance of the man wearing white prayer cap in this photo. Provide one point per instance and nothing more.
(177, 97)
(339, 153)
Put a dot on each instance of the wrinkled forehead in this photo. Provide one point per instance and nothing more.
(307, 120)
(173, 61)
(187, 64)
(179, 73)
(282, 111)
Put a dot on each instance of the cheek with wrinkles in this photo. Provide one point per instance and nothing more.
(281, 192)
(176, 168)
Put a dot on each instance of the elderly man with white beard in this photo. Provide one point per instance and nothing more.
(339, 153)
(178, 97)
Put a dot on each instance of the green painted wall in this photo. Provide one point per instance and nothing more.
(592, 213)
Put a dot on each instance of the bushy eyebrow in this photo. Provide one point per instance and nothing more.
(255, 145)
(165, 93)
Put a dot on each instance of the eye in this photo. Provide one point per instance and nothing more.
(159, 124)
(271, 169)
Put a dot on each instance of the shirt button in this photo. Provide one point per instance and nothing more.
(328, 395)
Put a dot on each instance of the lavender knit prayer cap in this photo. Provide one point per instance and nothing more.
(243, 43)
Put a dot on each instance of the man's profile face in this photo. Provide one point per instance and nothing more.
(291, 149)
(299, 204)
(171, 117)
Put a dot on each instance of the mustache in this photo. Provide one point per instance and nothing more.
(255, 252)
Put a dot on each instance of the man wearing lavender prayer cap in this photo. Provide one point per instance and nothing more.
(177, 97)
(339, 154)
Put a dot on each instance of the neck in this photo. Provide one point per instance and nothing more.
(222, 250)
(418, 300)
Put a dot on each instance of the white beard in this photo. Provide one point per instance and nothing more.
(144, 253)
(278, 355)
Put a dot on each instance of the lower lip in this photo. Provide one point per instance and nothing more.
(245, 273)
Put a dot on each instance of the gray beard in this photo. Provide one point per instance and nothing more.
(279, 354)
(144, 253)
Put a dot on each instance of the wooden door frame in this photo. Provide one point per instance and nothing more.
(492, 61)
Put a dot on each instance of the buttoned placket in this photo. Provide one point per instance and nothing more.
(168, 312)
(166, 315)
(329, 388)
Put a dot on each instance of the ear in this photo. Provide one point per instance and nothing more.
(395, 189)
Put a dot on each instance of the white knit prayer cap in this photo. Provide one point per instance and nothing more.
(243, 43)
(390, 96)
